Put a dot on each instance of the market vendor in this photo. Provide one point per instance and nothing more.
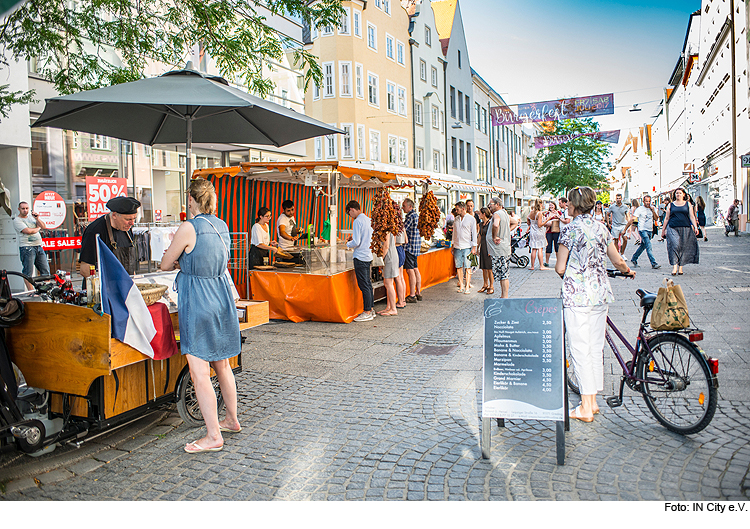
(260, 238)
(115, 230)
(285, 226)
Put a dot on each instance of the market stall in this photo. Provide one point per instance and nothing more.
(323, 287)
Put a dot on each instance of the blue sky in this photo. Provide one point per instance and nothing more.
(537, 50)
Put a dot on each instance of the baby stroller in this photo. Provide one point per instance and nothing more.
(522, 261)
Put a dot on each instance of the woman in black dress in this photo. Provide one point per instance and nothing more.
(485, 261)
(701, 213)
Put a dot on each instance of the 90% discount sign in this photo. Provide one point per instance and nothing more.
(100, 190)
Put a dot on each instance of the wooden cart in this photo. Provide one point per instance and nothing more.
(94, 381)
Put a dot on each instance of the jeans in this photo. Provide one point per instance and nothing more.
(34, 256)
(645, 245)
(362, 271)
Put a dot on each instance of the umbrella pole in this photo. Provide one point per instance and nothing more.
(188, 156)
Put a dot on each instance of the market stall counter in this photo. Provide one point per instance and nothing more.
(331, 294)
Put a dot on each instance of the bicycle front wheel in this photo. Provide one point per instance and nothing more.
(678, 387)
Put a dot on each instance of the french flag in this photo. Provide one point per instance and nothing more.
(131, 320)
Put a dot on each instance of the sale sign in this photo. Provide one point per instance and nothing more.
(51, 209)
(61, 243)
(100, 190)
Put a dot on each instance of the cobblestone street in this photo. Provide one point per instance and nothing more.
(355, 412)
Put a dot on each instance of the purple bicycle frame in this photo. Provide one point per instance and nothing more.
(630, 373)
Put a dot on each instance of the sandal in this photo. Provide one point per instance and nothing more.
(576, 415)
(481, 290)
(460, 291)
(490, 291)
(195, 448)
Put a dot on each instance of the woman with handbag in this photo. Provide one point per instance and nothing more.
(261, 245)
(581, 261)
(680, 229)
(209, 328)
(701, 213)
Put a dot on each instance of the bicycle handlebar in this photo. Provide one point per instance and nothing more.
(612, 272)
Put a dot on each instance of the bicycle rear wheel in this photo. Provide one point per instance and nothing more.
(570, 372)
(678, 388)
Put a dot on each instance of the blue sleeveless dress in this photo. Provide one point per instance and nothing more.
(209, 328)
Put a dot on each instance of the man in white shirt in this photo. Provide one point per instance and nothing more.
(285, 225)
(464, 243)
(564, 214)
(646, 218)
(359, 241)
(619, 218)
(30, 241)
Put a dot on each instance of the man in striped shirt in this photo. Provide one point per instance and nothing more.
(412, 249)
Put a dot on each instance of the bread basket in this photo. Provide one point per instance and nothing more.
(151, 292)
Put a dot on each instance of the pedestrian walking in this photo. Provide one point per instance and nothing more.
(502, 225)
(581, 262)
(680, 230)
(619, 216)
(464, 244)
(360, 241)
(537, 237)
(701, 214)
(552, 224)
(632, 231)
(644, 218)
(733, 217)
(30, 249)
(412, 249)
(599, 212)
(663, 212)
(485, 261)
(209, 329)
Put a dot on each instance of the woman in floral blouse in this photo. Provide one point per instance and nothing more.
(581, 262)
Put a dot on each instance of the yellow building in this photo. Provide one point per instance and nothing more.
(366, 87)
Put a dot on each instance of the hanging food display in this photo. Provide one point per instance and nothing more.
(386, 218)
(429, 215)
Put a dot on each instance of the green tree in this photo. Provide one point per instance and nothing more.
(603, 196)
(103, 42)
(579, 162)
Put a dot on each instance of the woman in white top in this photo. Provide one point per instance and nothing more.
(537, 238)
(599, 212)
(261, 244)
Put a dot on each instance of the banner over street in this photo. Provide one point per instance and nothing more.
(556, 110)
(610, 136)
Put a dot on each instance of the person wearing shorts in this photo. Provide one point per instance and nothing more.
(498, 245)
(412, 248)
(464, 243)
(619, 217)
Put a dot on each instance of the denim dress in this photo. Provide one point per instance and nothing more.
(209, 328)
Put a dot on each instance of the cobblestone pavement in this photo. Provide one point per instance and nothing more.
(353, 412)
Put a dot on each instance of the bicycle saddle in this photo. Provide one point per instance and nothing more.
(647, 298)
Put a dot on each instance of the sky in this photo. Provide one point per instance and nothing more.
(538, 50)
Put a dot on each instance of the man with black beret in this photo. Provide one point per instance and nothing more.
(115, 230)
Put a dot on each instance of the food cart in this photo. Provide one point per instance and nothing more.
(91, 381)
(324, 286)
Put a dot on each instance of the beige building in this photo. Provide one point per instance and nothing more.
(366, 87)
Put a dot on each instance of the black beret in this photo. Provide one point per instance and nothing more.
(124, 205)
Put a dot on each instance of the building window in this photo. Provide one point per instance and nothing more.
(372, 89)
(481, 165)
(316, 92)
(402, 100)
(344, 28)
(417, 112)
(454, 153)
(374, 145)
(315, 32)
(484, 120)
(400, 53)
(435, 117)
(392, 153)
(331, 145)
(427, 35)
(468, 110)
(372, 37)
(387, 6)
(477, 122)
(461, 164)
(99, 142)
(419, 159)
(468, 156)
(453, 102)
(459, 59)
(346, 79)
(422, 70)
(403, 147)
(436, 161)
(460, 106)
(346, 141)
(329, 89)
(318, 148)
(389, 46)
(357, 24)
(358, 75)
(378, 4)
(361, 154)
(390, 96)
(327, 31)
(434, 77)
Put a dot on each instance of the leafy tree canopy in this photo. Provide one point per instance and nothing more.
(93, 43)
(579, 162)
(603, 196)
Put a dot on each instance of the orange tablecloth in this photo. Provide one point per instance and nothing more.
(335, 298)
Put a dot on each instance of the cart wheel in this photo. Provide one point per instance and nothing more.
(523, 261)
(35, 438)
(187, 401)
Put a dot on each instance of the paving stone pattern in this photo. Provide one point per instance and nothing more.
(352, 412)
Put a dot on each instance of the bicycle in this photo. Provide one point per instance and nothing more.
(678, 382)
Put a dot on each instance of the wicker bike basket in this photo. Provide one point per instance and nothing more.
(151, 293)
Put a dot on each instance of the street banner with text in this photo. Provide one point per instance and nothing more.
(577, 107)
(610, 136)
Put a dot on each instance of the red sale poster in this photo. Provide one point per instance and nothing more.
(100, 190)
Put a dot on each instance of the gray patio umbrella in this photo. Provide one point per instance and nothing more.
(181, 106)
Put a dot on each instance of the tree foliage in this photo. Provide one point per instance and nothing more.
(603, 196)
(579, 162)
(93, 43)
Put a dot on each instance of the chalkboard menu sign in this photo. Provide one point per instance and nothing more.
(524, 373)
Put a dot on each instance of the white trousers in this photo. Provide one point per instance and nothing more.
(585, 328)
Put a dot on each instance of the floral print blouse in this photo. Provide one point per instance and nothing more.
(585, 282)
